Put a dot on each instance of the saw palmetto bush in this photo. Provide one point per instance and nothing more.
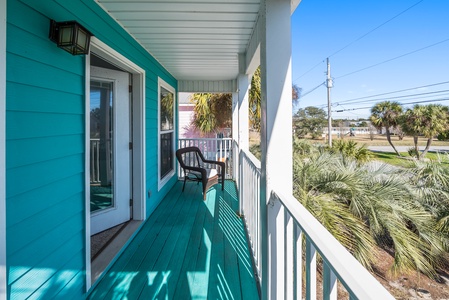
(368, 204)
(352, 150)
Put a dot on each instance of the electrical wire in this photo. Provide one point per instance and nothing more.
(374, 29)
(408, 103)
(393, 92)
(308, 92)
(397, 97)
(394, 58)
(410, 97)
(312, 68)
(359, 38)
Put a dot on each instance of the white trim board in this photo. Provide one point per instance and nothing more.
(139, 174)
(168, 87)
(3, 149)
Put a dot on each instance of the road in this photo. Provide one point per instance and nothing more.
(405, 148)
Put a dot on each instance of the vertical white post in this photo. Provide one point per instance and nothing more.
(235, 136)
(297, 262)
(310, 271)
(243, 84)
(329, 283)
(243, 128)
(87, 257)
(2, 149)
(276, 250)
(276, 133)
(289, 256)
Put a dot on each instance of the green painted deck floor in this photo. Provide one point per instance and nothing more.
(187, 249)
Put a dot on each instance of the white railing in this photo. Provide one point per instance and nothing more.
(235, 163)
(249, 196)
(212, 148)
(289, 226)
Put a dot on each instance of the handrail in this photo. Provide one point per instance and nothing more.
(249, 195)
(339, 262)
(287, 229)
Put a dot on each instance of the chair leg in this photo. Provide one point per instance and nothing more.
(223, 174)
(184, 185)
(204, 183)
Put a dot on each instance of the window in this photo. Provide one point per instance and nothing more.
(166, 132)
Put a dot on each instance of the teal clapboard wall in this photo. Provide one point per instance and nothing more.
(45, 142)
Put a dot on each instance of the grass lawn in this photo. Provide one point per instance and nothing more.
(405, 159)
(381, 140)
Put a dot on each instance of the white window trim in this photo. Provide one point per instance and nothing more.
(168, 87)
(3, 149)
(139, 173)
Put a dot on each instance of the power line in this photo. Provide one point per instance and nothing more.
(394, 58)
(393, 92)
(308, 92)
(411, 97)
(408, 103)
(359, 38)
(374, 29)
(399, 97)
(312, 68)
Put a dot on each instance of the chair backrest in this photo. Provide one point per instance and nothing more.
(189, 156)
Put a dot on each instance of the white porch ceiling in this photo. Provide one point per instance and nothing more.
(193, 39)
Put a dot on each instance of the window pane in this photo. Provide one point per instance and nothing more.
(166, 109)
(166, 153)
(101, 150)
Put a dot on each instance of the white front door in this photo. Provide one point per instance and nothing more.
(109, 148)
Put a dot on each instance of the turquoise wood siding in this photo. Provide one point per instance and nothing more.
(45, 142)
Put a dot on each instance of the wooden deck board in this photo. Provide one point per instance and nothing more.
(187, 249)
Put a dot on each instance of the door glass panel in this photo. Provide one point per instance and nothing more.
(101, 150)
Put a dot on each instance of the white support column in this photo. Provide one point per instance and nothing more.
(276, 134)
(243, 119)
(243, 91)
(235, 137)
(2, 149)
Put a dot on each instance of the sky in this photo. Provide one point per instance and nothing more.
(358, 34)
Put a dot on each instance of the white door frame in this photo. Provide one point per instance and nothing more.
(138, 164)
(2, 149)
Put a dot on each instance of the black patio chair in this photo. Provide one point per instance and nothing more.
(197, 168)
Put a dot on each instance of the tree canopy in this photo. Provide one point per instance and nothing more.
(309, 120)
(386, 115)
(424, 120)
(210, 116)
(212, 111)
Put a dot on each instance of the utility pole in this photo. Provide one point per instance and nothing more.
(329, 116)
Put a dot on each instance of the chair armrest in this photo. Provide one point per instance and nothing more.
(201, 170)
(215, 162)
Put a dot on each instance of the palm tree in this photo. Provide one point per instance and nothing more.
(212, 111)
(255, 100)
(411, 123)
(428, 121)
(381, 200)
(386, 114)
(435, 121)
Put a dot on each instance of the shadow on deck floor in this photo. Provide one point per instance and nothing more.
(187, 249)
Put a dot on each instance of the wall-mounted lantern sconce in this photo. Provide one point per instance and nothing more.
(70, 36)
